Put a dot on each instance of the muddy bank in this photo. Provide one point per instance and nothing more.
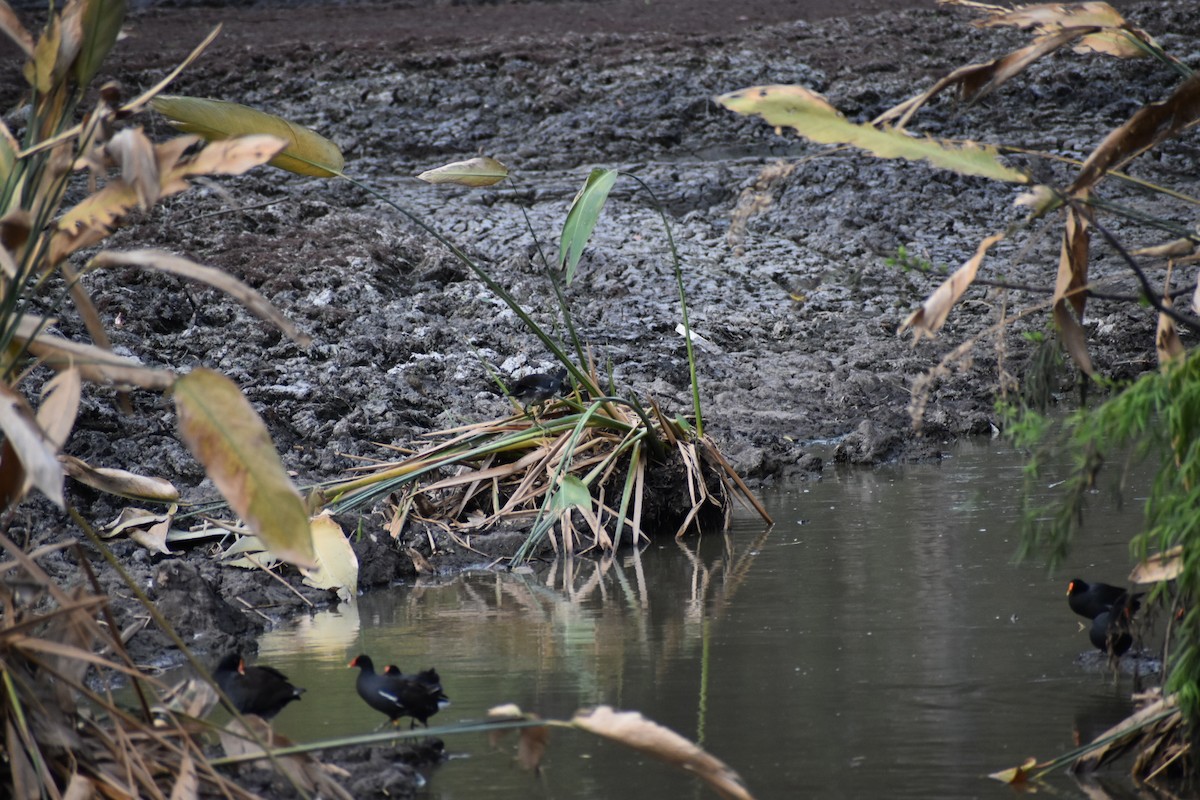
(801, 309)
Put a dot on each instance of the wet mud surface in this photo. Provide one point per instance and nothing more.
(801, 309)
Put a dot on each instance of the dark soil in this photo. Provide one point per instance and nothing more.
(802, 308)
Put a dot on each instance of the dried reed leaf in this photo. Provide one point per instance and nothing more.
(187, 784)
(1069, 285)
(223, 431)
(94, 364)
(976, 81)
(14, 30)
(1149, 125)
(134, 154)
(1166, 340)
(163, 261)
(120, 482)
(482, 171)
(1165, 566)
(633, 730)
(1115, 40)
(1176, 248)
(815, 119)
(337, 565)
(303, 769)
(38, 455)
(60, 404)
(929, 318)
(1016, 776)
(306, 153)
(1118, 737)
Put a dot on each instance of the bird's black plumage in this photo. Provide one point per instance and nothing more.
(1091, 599)
(260, 690)
(418, 696)
(1110, 630)
(539, 387)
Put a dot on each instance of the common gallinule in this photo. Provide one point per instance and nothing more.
(1110, 629)
(1091, 599)
(255, 690)
(539, 387)
(418, 696)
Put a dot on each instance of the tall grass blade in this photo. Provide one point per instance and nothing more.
(101, 25)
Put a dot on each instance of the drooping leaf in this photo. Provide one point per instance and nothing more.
(1165, 566)
(633, 730)
(60, 404)
(135, 155)
(1149, 125)
(337, 565)
(120, 482)
(483, 171)
(307, 152)
(976, 81)
(582, 218)
(929, 318)
(223, 431)
(94, 364)
(14, 30)
(1117, 38)
(815, 119)
(38, 455)
(219, 279)
(40, 69)
(102, 20)
(1069, 285)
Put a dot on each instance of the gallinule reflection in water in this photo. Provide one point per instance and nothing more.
(418, 696)
(260, 690)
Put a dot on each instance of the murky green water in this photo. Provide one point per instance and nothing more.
(878, 642)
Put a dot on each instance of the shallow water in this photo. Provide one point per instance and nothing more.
(878, 642)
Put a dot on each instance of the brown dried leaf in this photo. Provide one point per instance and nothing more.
(1148, 126)
(176, 265)
(303, 768)
(1166, 341)
(1114, 40)
(1073, 337)
(135, 155)
(419, 562)
(976, 81)
(632, 729)
(1165, 566)
(930, 317)
(119, 482)
(1016, 775)
(38, 455)
(233, 156)
(60, 405)
(1175, 248)
(187, 784)
(94, 364)
(1073, 258)
(15, 31)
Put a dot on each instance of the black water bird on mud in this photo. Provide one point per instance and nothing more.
(539, 387)
(1092, 599)
(397, 695)
(260, 690)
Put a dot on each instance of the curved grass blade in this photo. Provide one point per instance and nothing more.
(307, 153)
(221, 428)
(581, 219)
(101, 25)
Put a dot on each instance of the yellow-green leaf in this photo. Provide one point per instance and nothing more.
(307, 153)
(337, 566)
(483, 171)
(223, 431)
(815, 119)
